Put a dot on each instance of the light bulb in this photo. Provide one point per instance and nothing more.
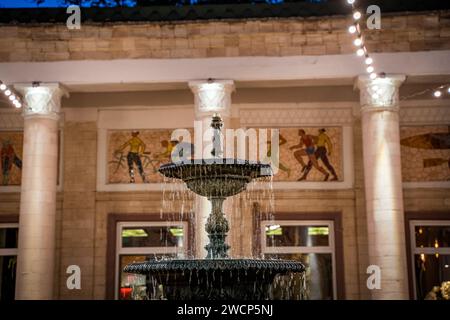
(370, 69)
(3, 87)
(448, 90)
(373, 76)
(12, 97)
(357, 15)
(360, 52)
(18, 105)
(352, 29)
(350, 1)
(7, 92)
(358, 42)
(437, 94)
(369, 60)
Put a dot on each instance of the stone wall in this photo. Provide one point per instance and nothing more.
(228, 38)
(78, 214)
(360, 212)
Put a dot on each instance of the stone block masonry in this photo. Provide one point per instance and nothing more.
(229, 38)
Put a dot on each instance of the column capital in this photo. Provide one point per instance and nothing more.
(380, 94)
(42, 99)
(212, 96)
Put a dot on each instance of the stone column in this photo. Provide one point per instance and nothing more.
(383, 183)
(210, 97)
(36, 252)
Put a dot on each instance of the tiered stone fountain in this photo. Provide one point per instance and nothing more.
(217, 276)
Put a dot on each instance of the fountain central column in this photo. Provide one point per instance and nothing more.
(210, 97)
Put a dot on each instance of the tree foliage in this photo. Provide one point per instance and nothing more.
(130, 3)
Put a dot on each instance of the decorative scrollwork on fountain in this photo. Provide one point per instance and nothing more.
(217, 228)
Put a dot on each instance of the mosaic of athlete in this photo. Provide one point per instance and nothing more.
(8, 158)
(309, 149)
(176, 150)
(136, 149)
(324, 149)
(169, 147)
(281, 166)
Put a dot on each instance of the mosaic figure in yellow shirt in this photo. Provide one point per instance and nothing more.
(169, 147)
(136, 150)
(323, 150)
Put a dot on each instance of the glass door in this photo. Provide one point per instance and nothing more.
(430, 248)
(8, 260)
(310, 242)
(144, 241)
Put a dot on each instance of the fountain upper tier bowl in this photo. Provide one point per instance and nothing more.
(216, 177)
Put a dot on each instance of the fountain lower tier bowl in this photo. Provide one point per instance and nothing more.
(216, 177)
(217, 279)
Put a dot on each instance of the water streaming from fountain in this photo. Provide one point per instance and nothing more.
(218, 276)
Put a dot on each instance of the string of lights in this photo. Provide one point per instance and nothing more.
(361, 50)
(438, 92)
(12, 96)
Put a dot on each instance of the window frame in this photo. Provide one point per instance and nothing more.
(9, 251)
(330, 249)
(413, 249)
(145, 250)
(5, 252)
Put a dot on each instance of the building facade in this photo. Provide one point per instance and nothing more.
(80, 185)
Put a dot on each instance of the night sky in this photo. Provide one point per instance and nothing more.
(57, 3)
(27, 3)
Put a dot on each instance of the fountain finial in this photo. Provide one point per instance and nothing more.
(217, 124)
(216, 121)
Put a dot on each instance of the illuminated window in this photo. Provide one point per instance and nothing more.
(312, 243)
(8, 260)
(143, 241)
(430, 247)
